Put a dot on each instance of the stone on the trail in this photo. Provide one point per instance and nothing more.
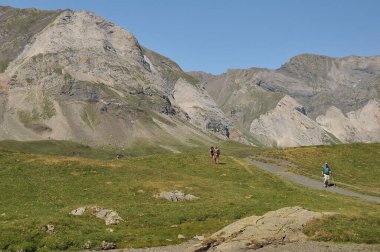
(174, 226)
(181, 237)
(277, 227)
(109, 216)
(175, 196)
(108, 245)
(78, 211)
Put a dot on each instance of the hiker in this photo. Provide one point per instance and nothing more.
(212, 154)
(217, 155)
(326, 172)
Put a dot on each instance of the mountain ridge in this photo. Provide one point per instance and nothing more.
(80, 77)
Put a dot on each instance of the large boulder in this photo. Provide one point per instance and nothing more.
(277, 227)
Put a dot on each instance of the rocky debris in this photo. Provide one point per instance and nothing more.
(109, 216)
(78, 211)
(175, 196)
(49, 229)
(277, 227)
(107, 245)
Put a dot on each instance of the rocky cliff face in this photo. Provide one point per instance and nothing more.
(82, 78)
(332, 92)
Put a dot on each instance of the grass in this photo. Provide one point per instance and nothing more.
(363, 229)
(32, 121)
(48, 110)
(89, 115)
(354, 166)
(46, 187)
(3, 66)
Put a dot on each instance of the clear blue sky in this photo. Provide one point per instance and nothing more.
(215, 35)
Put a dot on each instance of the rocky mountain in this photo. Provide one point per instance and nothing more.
(73, 75)
(77, 76)
(310, 100)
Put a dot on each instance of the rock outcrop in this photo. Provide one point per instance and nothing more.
(277, 227)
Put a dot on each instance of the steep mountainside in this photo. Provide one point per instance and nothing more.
(318, 83)
(80, 77)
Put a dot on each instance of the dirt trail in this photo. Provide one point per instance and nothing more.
(311, 183)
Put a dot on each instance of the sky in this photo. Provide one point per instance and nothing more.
(217, 35)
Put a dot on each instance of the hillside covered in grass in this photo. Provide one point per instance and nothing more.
(41, 189)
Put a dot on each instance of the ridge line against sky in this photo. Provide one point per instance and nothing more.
(216, 35)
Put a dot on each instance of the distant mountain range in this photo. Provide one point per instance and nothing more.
(76, 76)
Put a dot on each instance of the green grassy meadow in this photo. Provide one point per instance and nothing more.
(41, 182)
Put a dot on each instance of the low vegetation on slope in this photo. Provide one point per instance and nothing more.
(40, 189)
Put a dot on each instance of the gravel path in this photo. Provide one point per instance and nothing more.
(311, 183)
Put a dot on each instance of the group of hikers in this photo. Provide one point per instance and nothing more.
(214, 154)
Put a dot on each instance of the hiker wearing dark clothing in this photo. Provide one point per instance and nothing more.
(217, 155)
(326, 172)
(212, 154)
